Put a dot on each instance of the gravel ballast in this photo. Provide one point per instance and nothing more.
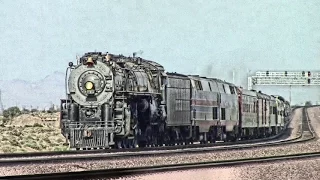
(293, 170)
(161, 160)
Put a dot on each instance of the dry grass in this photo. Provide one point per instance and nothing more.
(29, 133)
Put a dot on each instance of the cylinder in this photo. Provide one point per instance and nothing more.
(74, 112)
(64, 114)
(106, 112)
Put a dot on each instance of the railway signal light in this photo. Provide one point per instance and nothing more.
(285, 77)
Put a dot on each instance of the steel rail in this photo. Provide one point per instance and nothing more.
(120, 172)
(101, 156)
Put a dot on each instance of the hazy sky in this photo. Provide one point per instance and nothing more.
(209, 38)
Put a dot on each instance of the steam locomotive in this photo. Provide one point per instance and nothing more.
(115, 101)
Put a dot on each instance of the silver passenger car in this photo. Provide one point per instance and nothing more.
(202, 107)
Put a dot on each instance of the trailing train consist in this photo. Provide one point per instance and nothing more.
(114, 101)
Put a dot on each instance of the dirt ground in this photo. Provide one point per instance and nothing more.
(31, 133)
(314, 115)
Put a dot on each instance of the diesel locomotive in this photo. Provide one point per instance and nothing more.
(116, 101)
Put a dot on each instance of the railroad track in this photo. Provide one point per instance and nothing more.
(178, 147)
(120, 172)
(306, 134)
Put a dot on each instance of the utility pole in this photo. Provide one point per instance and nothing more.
(1, 105)
(233, 74)
(290, 95)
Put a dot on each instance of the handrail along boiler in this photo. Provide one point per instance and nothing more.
(125, 102)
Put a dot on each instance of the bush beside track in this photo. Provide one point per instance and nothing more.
(31, 132)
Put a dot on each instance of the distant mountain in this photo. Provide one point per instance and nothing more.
(42, 93)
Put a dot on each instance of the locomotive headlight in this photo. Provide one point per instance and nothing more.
(89, 85)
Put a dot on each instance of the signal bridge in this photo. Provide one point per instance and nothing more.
(284, 78)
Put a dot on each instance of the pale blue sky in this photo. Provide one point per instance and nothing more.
(209, 38)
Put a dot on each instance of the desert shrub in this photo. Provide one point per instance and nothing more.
(33, 145)
(22, 150)
(8, 149)
(60, 141)
(25, 111)
(5, 120)
(52, 110)
(11, 112)
(42, 145)
(48, 130)
(4, 138)
(29, 137)
(47, 140)
(14, 142)
(37, 125)
(308, 103)
(34, 110)
(16, 132)
(60, 148)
